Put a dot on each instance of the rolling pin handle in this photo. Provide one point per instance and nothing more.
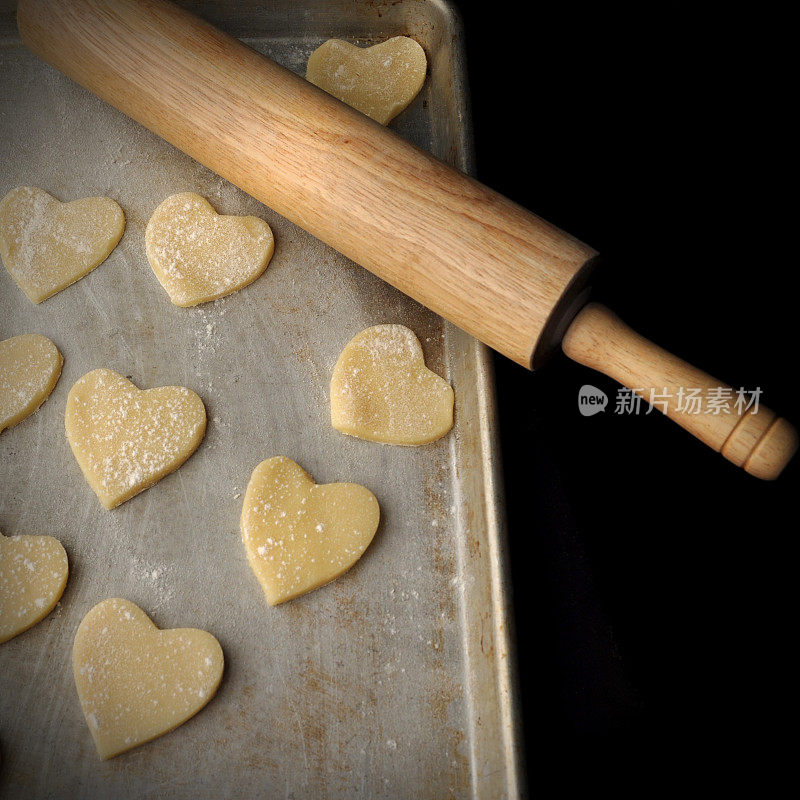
(754, 438)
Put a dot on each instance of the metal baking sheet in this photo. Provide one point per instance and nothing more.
(394, 681)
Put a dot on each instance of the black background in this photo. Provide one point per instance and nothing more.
(653, 581)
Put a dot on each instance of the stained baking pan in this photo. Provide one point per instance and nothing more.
(396, 680)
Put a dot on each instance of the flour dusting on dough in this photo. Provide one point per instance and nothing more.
(30, 366)
(125, 439)
(47, 245)
(33, 574)
(380, 81)
(382, 391)
(199, 255)
(299, 535)
(136, 682)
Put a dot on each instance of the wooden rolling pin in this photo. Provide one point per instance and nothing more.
(499, 272)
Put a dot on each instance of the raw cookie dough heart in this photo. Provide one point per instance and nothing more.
(136, 682)
(30, 366)
(300, 536)
(126, 439)
(33, 574)
(46, 245)
(199, 255)
(380, 81)
(382, 391)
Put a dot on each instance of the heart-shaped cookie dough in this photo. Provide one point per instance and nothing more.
(30, 366)
(199, 255)
(300, 536)
(126, 439)
(46, 245)
(136, 682)
(382, 391)
(33, 574)
(380, 81)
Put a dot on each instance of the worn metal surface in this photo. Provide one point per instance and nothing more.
(394, 681)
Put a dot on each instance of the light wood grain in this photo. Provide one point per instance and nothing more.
(496, 270)
(760, 442)
(472, 256)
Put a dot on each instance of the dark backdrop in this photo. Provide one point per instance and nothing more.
(653, 581)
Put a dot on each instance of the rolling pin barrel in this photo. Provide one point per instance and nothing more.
(494, 269)
(459, 248)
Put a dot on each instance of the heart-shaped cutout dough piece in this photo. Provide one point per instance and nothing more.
(382, 391)
(136, 682)
(46, 245)
(199, 255)
(30, 366)
(300, 536)
(380, 81)
(33, 574)
(126, 439)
